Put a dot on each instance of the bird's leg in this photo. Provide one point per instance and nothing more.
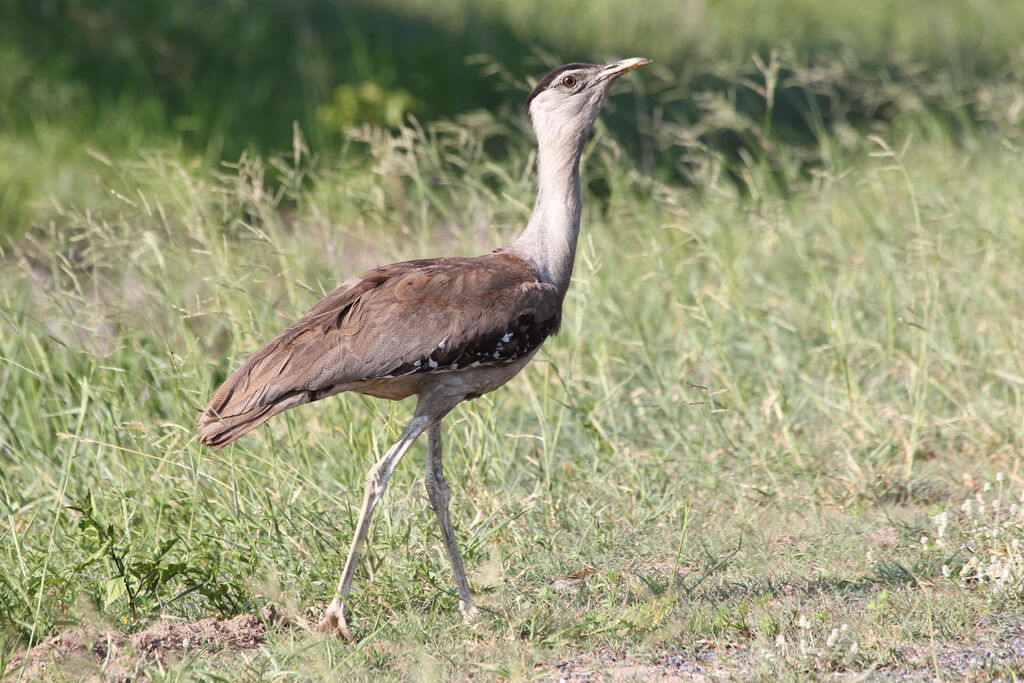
(439, 494)
(376, 483)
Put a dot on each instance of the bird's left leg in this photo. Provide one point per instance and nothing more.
(376, 483)
(439, 493)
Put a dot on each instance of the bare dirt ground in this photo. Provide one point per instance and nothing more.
(89, 655)
(1005, 662)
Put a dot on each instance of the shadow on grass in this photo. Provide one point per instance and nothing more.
(887, 575)
(232, 76)
(226, 77)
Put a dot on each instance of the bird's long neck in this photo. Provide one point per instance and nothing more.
(549, 240)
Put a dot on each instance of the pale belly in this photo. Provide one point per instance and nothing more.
(457, 385)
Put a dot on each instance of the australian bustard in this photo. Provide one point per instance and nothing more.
(444, 329)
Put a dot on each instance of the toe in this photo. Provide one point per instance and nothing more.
(334, 621)
(469, 612)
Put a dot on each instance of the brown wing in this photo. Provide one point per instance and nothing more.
(430, 315)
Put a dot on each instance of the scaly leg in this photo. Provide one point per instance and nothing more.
(376, 483)
(439, 494)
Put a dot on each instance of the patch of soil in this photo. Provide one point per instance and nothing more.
(886, 537)
(90, 655)
(966, 662)
(607, 665)
(1003, 660)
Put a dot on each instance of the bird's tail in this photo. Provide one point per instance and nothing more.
(224, 421)
(298, 366)
(248, 398)
(220, 426)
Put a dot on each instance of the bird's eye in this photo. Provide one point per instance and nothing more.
(570, 81)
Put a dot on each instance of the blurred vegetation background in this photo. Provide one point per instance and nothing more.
(797, 295)
(81, 80)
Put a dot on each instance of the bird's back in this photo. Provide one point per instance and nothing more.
(391, 325)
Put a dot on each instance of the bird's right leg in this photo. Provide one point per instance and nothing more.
(376, 483)
(440, 493)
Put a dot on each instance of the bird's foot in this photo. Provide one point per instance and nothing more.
(334, 622)
(469, 613)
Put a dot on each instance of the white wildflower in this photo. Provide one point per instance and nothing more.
(941, 523)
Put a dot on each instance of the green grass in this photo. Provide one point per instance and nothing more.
(214, 81)
(792, 342)
(776, 377)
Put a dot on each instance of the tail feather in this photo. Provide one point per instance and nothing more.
(255, 392)
(219, 428)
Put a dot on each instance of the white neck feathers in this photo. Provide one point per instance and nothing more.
(549, 240)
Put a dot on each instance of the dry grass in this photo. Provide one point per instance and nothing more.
(772, 379)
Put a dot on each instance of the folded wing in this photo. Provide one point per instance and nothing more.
(425, 316)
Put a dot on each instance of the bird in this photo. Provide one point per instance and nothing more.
(445, 330)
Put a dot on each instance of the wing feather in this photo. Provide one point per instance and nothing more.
(428, 315)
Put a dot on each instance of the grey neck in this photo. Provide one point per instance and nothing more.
(549, 240)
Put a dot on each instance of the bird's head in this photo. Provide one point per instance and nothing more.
(566, 101)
